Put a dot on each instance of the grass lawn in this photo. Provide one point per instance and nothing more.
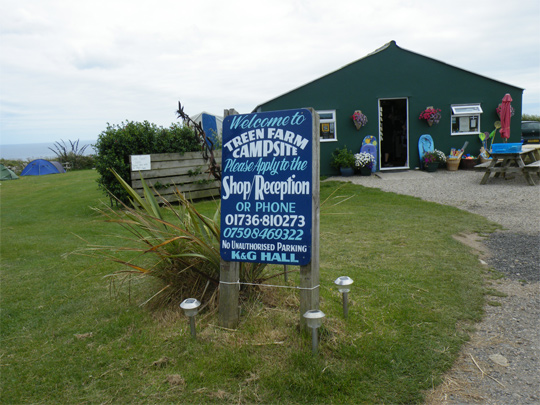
(69, 336)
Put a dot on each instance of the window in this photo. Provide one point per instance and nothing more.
(328, 125)
(466, 119)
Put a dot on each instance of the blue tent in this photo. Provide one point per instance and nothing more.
(39, 167)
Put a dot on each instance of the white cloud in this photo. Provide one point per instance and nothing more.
(69, 67)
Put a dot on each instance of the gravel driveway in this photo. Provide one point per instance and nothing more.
(500, 363)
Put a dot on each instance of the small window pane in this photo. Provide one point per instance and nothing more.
(327, 130)
(327, 125)
(466, 119)
(467, 109)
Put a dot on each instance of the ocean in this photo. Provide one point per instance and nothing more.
(31, 151)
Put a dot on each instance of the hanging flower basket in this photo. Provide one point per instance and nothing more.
(431, 115)
(359, 119)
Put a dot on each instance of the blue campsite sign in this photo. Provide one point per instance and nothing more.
(266, 189)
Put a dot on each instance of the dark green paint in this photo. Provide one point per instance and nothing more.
(393, 72)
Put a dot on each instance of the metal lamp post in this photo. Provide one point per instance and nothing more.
(191, 307)
(314, 320)
(343, 282)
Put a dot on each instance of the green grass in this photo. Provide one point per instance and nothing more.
(68, 337)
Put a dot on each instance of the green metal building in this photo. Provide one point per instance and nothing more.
(392, 86)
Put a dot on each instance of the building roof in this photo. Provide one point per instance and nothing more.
(382, 49)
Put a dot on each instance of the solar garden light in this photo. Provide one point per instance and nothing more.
(343, 282)
(314, 320)
(191, 307)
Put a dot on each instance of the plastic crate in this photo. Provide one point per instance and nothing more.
(505, 147)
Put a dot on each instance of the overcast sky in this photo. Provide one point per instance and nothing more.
(69, 67)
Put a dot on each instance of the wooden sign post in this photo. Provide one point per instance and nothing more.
(310, 274)
(229, 273)
(269, 201)
(229, 311)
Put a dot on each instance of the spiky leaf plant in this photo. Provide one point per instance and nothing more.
(73, 155)
(182, 252)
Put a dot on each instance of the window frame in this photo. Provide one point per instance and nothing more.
(472, 111)
(329, 121)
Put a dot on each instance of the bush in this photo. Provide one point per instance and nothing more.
(342, 158)
(530, 117)
(118, 142)
(84, 162)
(73, 155)
(76, 162)
(17, 165)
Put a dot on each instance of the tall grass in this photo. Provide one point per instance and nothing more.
(67, 338)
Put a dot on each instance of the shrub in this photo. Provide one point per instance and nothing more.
(118, 142)
(84, 162)
(530, 117)
(73, 155)
(342, 158)
(17, 165)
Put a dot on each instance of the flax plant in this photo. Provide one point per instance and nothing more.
(174, 243)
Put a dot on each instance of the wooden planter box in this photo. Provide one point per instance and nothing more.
(188, 172)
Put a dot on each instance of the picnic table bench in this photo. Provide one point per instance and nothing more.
(533, 167)
(534, 151)
(482, 167)
(510, 162)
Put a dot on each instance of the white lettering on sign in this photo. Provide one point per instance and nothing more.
(244, 122)
(278, 142)
(261, 187)
(266, 187)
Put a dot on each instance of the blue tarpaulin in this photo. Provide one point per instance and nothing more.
(211, 124)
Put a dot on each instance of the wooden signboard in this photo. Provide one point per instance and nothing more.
(270, 200)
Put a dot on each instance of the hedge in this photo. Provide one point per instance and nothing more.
(118, 142)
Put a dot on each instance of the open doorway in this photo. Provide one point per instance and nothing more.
(394, 133)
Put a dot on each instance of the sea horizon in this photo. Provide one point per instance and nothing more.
(31, 151)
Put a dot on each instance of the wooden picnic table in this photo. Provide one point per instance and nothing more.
(534, 148)
(511, 162)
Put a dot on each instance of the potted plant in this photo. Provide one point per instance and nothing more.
(343, 159)
(431, 160)
(364, 163)
(431, 115)
(359, 119)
